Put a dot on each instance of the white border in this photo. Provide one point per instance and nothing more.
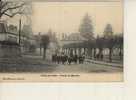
(85, 91)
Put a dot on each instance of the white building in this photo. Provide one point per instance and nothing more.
(73, 38)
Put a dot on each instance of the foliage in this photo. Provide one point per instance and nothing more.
(32, 48)
(86, 27)
(108, 31)
(52, 36)
(45, 41)
(26, 30)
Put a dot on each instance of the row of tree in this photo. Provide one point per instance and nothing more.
(107, 40)
(45, 39)
(100, 43)
(110, 43)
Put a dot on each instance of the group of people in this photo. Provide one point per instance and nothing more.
(68, 59)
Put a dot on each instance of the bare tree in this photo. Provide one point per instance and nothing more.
(11, 8)
(45, 42)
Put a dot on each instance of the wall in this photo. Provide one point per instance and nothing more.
(9, 51)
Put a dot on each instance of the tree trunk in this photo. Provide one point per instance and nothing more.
(110, 54)
(79, 51)
(75, 51)
(20, 22)
(100, 53)
(94, 54)
(90, 52)
(0, 15)
(40, 50)
(120, 53)
(44, 53)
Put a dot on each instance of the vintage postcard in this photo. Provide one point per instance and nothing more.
(61, 41)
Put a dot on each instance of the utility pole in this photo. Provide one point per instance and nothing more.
(20, 31)
(40, 43)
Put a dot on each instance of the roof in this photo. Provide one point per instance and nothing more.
(74, 37)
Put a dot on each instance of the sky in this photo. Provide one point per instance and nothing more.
(65, 17)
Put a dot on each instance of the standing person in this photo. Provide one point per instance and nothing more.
(53, 56)
(58, 58)
(69, 59)
(75, 58)
(63, 58)
(80, 59)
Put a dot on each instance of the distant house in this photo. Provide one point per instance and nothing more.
(72, 38)
(72, 43)
(8, 41)
(6, 34)
(10, 33)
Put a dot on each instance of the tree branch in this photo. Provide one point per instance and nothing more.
(11, 8)
(3, 5)
(12, 15)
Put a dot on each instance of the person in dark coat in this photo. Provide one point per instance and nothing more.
(58, 58)
(69, 59)
(75, 58)
(64, 59)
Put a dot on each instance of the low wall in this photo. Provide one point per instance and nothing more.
(8, 50)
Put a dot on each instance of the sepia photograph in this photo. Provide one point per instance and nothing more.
(61, 41)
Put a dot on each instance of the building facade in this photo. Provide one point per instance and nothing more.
(72, 44)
